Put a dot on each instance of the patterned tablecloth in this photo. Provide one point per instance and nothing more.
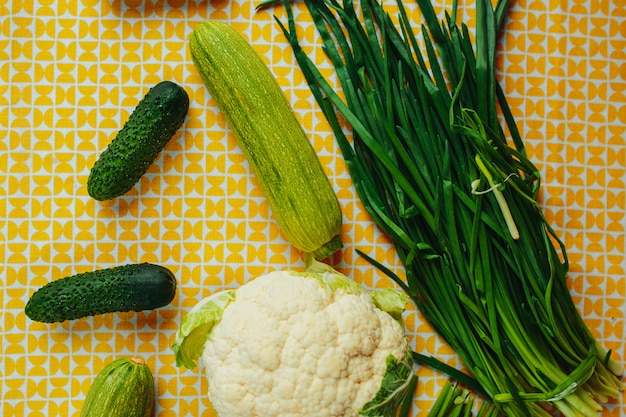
(73, 70)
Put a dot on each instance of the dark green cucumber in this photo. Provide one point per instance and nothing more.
(132, 287)
(151, 125)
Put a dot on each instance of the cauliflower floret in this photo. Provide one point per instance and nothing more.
(290, 346)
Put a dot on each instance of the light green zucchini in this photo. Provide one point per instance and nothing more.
(123, 388)
(280, 155)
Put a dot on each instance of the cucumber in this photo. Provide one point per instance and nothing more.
(132, 287)
(280, 155)
(151, 125)
(123, 388)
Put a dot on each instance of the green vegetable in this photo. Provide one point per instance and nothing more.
(434, 168)
(281, 157)
(133, 287)
(151, 125)
(454, 401)
(123, 388)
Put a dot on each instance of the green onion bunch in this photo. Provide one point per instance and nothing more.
(439, 164)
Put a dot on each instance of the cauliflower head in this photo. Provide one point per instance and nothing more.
(300, 344)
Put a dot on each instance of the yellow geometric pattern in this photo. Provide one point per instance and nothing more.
(72, 71)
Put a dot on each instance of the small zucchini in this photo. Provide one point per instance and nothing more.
(150, 126)
(278, 151)
(132, 287)
(123, 388)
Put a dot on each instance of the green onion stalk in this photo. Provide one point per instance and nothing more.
(438, 162)
(455, 401)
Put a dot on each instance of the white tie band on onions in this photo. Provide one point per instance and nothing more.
(429, 131)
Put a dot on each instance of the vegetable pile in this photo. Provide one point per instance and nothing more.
(455, 191)
(311, 343)
(438, 162)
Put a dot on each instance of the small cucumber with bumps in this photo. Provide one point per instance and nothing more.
(132, 287)
(123, 388)
(152, 124)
